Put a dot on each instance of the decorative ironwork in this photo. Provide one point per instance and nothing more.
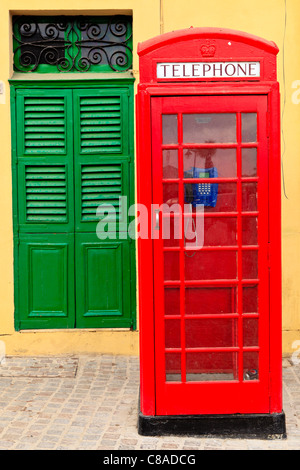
(72, 43)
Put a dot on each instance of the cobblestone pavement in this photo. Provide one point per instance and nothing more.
(91, 402)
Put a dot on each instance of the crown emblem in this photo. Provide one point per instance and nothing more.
(208, 49)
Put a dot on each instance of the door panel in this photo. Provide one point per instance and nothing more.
(101, 154)
(47, 281)
(45, 160)
(103, 282)
(210, 163)
(102, 176)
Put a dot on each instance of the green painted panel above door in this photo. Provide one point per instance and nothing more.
(63, 44)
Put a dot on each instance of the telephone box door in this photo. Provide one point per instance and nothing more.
(211, 273)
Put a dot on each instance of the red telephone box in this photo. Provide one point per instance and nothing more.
(208, 153)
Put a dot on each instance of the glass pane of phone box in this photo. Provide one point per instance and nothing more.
(203, 366)
(210, 127)
(223, 160)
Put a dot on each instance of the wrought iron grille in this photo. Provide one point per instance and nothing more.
(72, 44)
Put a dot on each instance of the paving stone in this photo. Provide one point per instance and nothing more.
(39, 367)
(91, 402)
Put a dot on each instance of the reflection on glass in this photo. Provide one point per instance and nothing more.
(201, 128)
(171, 266)
(173, 367)
(250, 264)
(224, 160)
(169, 129)
(172, 301)
(250, 331)
(172, 333)
(171, 231)
(250, 299)
(170, 193)
(210, 300)
(249, 197)
(211, 366)
(224, 196)
(251, 371)
(249, 162)
(220, 231)
(249, 127)
(211, 265)
(170, 164)
(249, 230)
(210, 333)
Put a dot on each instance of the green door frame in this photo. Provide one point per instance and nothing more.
(124, 80)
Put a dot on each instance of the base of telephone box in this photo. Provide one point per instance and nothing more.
(255, 426)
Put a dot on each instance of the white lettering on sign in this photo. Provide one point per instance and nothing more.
(190, 70)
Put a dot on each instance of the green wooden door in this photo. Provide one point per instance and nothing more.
(73, 152)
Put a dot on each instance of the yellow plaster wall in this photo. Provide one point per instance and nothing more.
(146, 24)
(276, 20)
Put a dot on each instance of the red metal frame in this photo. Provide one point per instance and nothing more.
(241, 396)
(181, 45)
(186, 44)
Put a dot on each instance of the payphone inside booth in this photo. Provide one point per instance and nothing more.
(208, 162)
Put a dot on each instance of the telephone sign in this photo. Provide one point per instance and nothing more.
(208, 70)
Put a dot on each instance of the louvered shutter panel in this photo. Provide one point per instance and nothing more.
(46, 193)
(45, 160)
(44, 125)
(100, 125)
(101, 185)
(105, 186)
(101, 156)
(43, 122)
